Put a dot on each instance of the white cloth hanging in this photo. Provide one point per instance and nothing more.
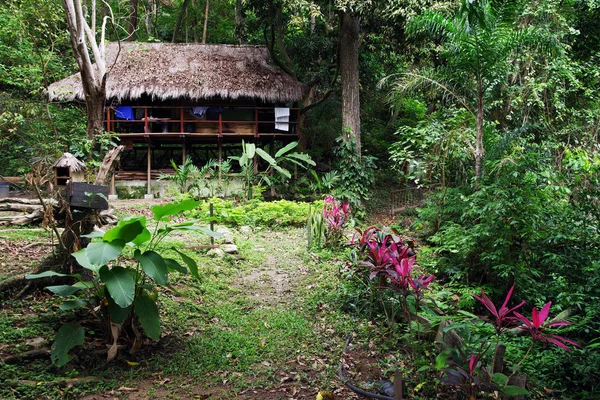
(282, 118)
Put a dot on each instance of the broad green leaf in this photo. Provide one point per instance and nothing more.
(117, 314)
(499, 378)
(173, 265)
(142, 237)
(250, 150)
(100, 253)
(82, 259)
(283, 171)
(190, 263)
(440, 360)
(44, 274)
(171, 209)
(93, 235)
(120, 284)
(154, 266)
(207, 231)
(72, 304)
(511, 390)
(243, 160)
(68, 336)
(302, 157)
(63, 290)
(265, 156)
(147, 312)
(127, 230)
(84, 284)
(285, 149)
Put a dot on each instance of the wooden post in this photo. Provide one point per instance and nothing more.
(183, 152)
(108, 119)
(256, 122)
(112, 185)
(146, 120)
(220, 125)
(398, 385)
(181, 119)
(149, 191)
(212, 223)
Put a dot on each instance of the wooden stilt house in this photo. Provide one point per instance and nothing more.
(170, 101)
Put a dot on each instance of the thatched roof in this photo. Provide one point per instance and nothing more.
(170, 71)
(68, 160)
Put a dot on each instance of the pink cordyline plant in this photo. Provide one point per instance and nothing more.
(538, 324)
(336, 215)
(502, 316)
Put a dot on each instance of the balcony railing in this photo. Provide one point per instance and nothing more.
(164, 121)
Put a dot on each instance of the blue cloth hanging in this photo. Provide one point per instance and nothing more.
(124, 112)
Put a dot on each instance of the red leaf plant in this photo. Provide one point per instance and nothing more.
(502, 316)
(536, 327)
(336, 215)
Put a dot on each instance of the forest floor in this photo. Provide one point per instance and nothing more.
(265, 323)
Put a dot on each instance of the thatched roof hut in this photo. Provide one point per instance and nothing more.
(69, 161)
(166, 71)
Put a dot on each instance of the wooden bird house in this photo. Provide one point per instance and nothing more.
(68, 169)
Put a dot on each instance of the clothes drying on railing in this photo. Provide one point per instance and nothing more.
(199, 112)
(124, 112)
(282, 117)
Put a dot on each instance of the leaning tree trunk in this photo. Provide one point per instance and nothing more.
(349, 43)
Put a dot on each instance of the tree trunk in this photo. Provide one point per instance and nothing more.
(239, 22)
(133, 20)
(179, 19)
(349, 43)
(205, 23)
(95, 113)
(479, 151)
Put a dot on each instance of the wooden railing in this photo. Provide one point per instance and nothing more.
(181, 122)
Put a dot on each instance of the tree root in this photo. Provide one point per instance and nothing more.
(27, 356)
(67, 382)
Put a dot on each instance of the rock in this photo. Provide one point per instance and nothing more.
(227, 237)
(229, 248)
(246, 229)
(216, 253)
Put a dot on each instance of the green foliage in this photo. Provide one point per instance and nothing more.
(119, 289)
(315, 228)
(357, 174)
(275, 173)
(279, 213)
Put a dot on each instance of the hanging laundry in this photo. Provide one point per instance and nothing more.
(282, 117)
(199, 112)
(124, 112)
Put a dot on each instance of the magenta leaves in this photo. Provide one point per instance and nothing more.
(335, 215)
(536, 327)
(505, 318)
(390, 259)
(502, 316)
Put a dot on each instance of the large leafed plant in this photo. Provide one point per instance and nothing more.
(123, 291)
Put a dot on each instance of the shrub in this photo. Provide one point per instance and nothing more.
(279, 213)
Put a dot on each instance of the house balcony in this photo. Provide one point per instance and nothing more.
(135, 124)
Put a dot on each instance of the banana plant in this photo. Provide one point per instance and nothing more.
(275, 171)
(124, 291)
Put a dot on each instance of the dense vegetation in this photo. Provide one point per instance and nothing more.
(494, 103)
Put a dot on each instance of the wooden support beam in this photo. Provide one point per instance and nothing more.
(149, 170)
